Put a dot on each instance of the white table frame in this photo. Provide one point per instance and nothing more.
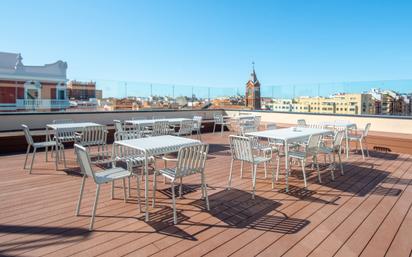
(151, 146)
(289, 135)
(72, 125)
(149, 122)
(342, 124)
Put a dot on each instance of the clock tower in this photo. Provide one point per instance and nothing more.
(253, 91)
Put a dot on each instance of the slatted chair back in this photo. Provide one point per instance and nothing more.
(161, 128)
(62, 121)
(247, 129)
(218, 118)
(302, 123)
(366, 131)
(312, 146)
(64, 135)
(241, 148)
(191, 160)
(126, 135)
(118, 126)
(84, 161)
(186, 127)
(257, 120)
(93, 136)
(27, 134)
(337, 140)
(271, 126)
(197, 122)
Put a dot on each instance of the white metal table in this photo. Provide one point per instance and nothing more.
(73, 125)
(149, 122)
(151, 146)
(346, 125)
(289, 135)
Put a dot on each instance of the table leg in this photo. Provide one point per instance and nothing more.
(146, 189)
(287, 165)
(347, 143)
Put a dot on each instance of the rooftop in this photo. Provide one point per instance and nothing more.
(365, 212)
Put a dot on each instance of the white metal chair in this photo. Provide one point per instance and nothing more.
(190, 160)
(118, 126)
(62, 121)
(160, 128)
(105, 176)
(311, 149)
(219, 120)
(94, 138)
(271, 126)
(241, 149)
(257, 120)
(197, 126)
(302, 123)
(361, 139)
(186, 128)
(335, 148)
(36, 145)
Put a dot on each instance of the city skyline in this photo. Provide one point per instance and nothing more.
(214, 43)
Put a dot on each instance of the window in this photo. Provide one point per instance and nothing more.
(61, 95)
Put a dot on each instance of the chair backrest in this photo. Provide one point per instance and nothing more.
(337, 140)
(312, 145)
(126, 135)
(302, 123)
(247, 129)
(241, 148)
(139, 118)
(84, 161)
(118, 126)
(271, 126)
(27, 134)
(93, 136)
(257, 120)
(62, 121)
(65, 134)
(186, 127)
(366, 131)
(197, 122)
(218, 118)
(161, 128)
(191, 159)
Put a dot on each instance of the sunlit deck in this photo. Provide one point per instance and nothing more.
(365, 212)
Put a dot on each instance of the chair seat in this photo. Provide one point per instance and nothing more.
(111, 174)
(44, 144)
(260, 159)
(168, 172)
(354, 138)
(326, 149)
(297, 155)
(135, 160)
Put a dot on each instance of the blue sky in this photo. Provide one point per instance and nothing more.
(212, 43)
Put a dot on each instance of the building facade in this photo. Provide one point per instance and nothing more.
(78, 90)
(32, 88)
(252, 97)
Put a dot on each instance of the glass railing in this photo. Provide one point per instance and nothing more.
(392, 97)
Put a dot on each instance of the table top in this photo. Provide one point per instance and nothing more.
(151, 121)
(158, 145)
(72, 125)
(338, 123)
(286, 134)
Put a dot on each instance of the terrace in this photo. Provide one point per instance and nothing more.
(365, 212)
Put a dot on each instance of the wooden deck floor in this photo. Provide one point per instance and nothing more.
(365, 212)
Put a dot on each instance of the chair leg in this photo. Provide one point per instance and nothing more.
(361, 147)
(112, 189)
(55, 159)
(229, 183)
(333, 166)
(174, 203)
(214, 128)
(304, 173)
(46, 150)
(64, 157)
(124, 190)
(180, 187)
(205, 190)
(317, 168)
(277, 169)
(340, 163)
(154, 189)
(80, 196)
(221, 129)
(94, 207)
(138, 193)
(254, 181)
(366, 146)
(27, 155)
(32, 160)
(128, 187)
(266, 170)
(241, 169)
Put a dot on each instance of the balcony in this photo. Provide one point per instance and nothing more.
(366, 211)
(41, 104)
